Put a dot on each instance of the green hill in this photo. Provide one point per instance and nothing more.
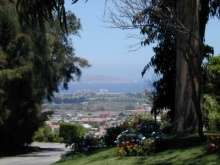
(190, 156)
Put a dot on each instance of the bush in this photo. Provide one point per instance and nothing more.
(143, 124)
(211, 110)
(129, 136)
(134, 121)
(131, 143)
(45, 134)
(149, 145)
(72, 134)
(91, 143)
(111, 135)
(213, 142)
(166, 123)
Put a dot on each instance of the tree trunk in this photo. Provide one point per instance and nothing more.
(188, 116)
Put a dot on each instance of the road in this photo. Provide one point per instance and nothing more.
(49, 154)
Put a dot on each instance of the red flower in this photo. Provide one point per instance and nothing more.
(212, 147)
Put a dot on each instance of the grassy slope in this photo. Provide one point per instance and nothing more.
(190, 156)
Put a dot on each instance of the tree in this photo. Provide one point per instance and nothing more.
(154, 27)
(140, 14)
(192, 18)
(34, 61)
(185, 21)
(188, 65)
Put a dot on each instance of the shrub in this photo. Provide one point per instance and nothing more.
(91, 143)
(212, 147)
(131, 143)
(45, 134)
(213, 142)
(134, 121)
(111, 135)
(130, 136)
(129, 148)
(143, 123)
(72, 134)
(121, 151)
(149, 145)
(166, 123)
(211, 110)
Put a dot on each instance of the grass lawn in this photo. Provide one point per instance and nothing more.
(188, 156)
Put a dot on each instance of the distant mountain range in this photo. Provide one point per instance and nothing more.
(108, 84)
(102, 79)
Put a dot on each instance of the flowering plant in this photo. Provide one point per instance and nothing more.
(128, 148)
(213, 142)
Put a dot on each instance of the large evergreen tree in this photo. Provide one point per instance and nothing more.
(34, 61)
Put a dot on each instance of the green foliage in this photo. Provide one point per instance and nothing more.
(135, 120)
(149, 146)
(111, 135)
(132, 150)
(141, 138)
(90, 144)
(142, 123)
(164, 64)
(166, 125)
(213, 77)
(211, 100)
(45, 134)
(72, 133)
(19, 110)
(211, 110)
(164, 60)
(157, 22)
(131, 143)
(34, 61)
(37, 12)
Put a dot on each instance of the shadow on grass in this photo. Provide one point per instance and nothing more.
(173, 160)
(180, 143)
(203, 159)
(180, 150)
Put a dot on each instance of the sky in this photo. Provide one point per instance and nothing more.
(109, 50)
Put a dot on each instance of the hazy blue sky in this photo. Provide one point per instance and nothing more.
(108, 50)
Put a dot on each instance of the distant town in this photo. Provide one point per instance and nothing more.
(96, 111)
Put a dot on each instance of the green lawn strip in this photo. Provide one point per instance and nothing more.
(191, 156)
